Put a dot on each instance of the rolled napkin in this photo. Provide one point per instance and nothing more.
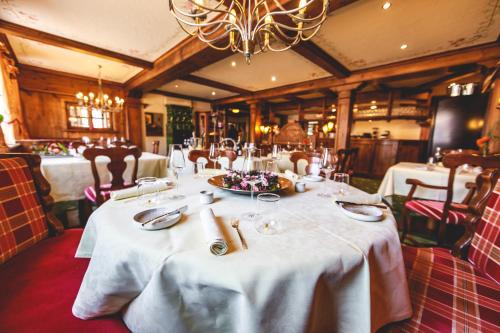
(213, 234)
(362, 199)
(131, 192)
(292, 176)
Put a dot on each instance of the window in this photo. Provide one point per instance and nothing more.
(87, 118)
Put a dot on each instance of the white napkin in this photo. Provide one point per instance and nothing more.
(131, 192)
(213, 234)
(363, 199)
(292, 176)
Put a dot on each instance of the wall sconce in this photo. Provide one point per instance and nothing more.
(265, 129)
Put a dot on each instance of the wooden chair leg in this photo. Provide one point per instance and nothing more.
(84, 211)
(405, 218)
(441, 233)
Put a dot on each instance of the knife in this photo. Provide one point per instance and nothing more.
(156, 219)
(358, 204)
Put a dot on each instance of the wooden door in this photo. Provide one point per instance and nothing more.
(385, 155)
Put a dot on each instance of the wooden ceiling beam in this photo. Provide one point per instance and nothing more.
(50, 39)
(181, 96)
(446, 78)
(320, 58)
(215, 84)
(468, 55)
(5, 41)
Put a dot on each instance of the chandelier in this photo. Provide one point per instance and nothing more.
(101, 101)
(247, 26)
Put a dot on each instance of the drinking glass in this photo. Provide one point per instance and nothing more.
(276, 152)
(272, 166)
(252, 160)
(268, 208)
(327, 164)
(342, 182)
(199, 169)
(213, 154)
(148, 190)
(177, 164)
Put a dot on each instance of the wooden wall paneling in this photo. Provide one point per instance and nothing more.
(133, 107)
(492, 118)
(344, 119)
(385, 156)
(255, 120)
(363, 163)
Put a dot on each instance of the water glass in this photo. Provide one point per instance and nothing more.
(342, 183)
(199, 169)
(177, 164)
(213, 154)
(148, 190)
(268, 204)
(272, 166)
(275, 153)
(327, 165)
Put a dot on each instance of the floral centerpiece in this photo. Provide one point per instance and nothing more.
(238, 180)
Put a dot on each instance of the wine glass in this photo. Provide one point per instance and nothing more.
(253, 176)
(327, 165)
(276, 152)
(177, 164)
(268, 207)
(148, 190)
(213, 154)
(342, 182)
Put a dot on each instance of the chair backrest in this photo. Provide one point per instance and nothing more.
(484, 252)
(195, 154)
(116, 167)
(346, 159)
(25, 204)
(296, 156)
(156, 146)
(453, 161)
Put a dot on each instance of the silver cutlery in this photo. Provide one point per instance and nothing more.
(156, 219)
(235, 224)
(359, 204)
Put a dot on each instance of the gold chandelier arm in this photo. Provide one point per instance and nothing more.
(207, 10)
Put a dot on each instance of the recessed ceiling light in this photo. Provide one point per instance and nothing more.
(177, 86)
(233, 63)
(273, 78)
(374, 102)
(386, 5)
(213, 93)
(403, 46)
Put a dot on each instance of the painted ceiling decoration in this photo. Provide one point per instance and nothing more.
(359, 35)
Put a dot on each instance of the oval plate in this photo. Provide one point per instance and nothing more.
(146, 215)
(362, 213)
(217, 181)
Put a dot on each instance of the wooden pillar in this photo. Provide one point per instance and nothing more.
(134, 120)
(255, 120)
(492, 117)
(344, 119)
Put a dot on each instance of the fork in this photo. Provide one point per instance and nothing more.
(235, 224)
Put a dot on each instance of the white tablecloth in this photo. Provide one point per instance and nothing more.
(323, 273)
(394, 181)
(69, 176)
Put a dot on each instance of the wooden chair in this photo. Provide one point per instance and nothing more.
(156, 146)
(449, 293)
(37, 256)
(194, 155)
(447, 212)
(99, 193)
(346, 159)
(296, 156)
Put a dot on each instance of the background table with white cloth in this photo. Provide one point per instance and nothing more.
(394, 181)
(324, 272)
(69, 176)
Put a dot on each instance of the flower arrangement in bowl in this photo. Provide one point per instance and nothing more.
(242, 181)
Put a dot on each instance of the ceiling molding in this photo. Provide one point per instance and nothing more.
(214, 84)
(186, 97)
(468, 55)
(5, 41)
(50, 39)
(450, 77)
(320, 58)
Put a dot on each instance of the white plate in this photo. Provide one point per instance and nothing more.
(313, 178)
(362, 213)
(146, 215)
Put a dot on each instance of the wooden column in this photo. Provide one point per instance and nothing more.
(492, 117)
(255, 120)
(134, 120)
(344, 119)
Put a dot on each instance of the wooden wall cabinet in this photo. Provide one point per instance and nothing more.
(376, 156)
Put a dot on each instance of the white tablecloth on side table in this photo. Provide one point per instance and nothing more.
(324, 272)
(394, 181)
(69, 176)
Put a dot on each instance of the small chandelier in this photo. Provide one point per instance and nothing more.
(250, 27)
(101, 101)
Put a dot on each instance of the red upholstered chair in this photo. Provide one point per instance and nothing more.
(448, 212)
(98, 193)
(39, 276)
(450, 294)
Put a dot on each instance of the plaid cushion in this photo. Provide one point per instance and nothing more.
(22, 220)
(448, 294)
(484, 252)
(434, 210)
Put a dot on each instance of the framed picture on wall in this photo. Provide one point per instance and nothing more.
(154, 124)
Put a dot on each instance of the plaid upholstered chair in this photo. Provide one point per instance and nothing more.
(39, 276)
(447, 212)
(450, 294)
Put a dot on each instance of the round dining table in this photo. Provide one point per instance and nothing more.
(322, 271)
